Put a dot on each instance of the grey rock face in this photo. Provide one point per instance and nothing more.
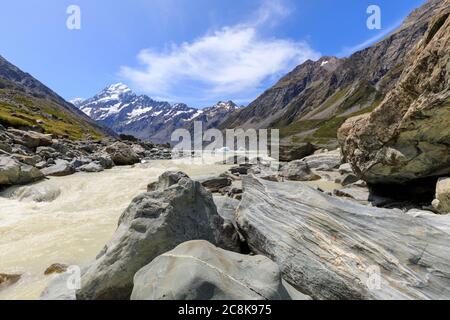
(13, 172)
(335, 249)
(298, 170)
(154, 223)
(197, 270)
(122, 154)
(407, 137)
(61, 168)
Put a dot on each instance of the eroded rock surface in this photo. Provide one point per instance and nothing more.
(333, 249)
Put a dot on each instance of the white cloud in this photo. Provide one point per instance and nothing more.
(227, 63)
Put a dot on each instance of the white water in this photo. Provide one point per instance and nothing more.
(74, 227)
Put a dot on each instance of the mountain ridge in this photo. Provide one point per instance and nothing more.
(311, 102)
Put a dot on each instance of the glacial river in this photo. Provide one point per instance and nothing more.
(74, 227)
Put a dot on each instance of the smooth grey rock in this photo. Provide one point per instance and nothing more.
(61, 168)
(154, 223)
(441, 222)
(197, 270)
(122, 154)
(58, 288)
(298, 170)
(331, 248)
(36, 192)
(13, 172)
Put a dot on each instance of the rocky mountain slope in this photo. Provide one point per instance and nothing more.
(311, 102)
(408, 136)
(120, 109)
(213, 116)
(27, 103)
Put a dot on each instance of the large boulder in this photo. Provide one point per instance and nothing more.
(197, 270)
(122, 154)
(61, 168)
(30, 139)
(298, 170)
(288, 153)
(178, 210)
(442, 202)
(408, 136)
(331, 248)
(13, 172)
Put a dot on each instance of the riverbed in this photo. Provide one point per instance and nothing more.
(77, 218)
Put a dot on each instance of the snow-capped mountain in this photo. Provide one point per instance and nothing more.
(213, 116)
(120, 109)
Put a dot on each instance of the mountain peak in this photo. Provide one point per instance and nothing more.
(117, 89)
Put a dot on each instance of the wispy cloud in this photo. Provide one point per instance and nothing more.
(346, 51)
(232, 62)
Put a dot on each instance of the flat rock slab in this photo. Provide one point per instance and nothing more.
(197, 270)
(331, 248)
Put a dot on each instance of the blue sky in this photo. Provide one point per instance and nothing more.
(192, 51)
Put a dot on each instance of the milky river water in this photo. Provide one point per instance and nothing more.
(74, 227)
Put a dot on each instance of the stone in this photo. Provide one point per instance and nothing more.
(154, 223)
(407, 137)
(442, 203)
(325, 161)
(58, 289)
(345, 168)
(298, 170)
(56, 268)
(13, 172)
(215, 184)
(34, 192)
(330, 248)
(357, 193)
(92, 167)
(241, 170)
(288, 153)
(104, 159)
(122, 154)
(8, 279)
(348, 179)
(197, 270)
(61, 168)
(30, 139)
